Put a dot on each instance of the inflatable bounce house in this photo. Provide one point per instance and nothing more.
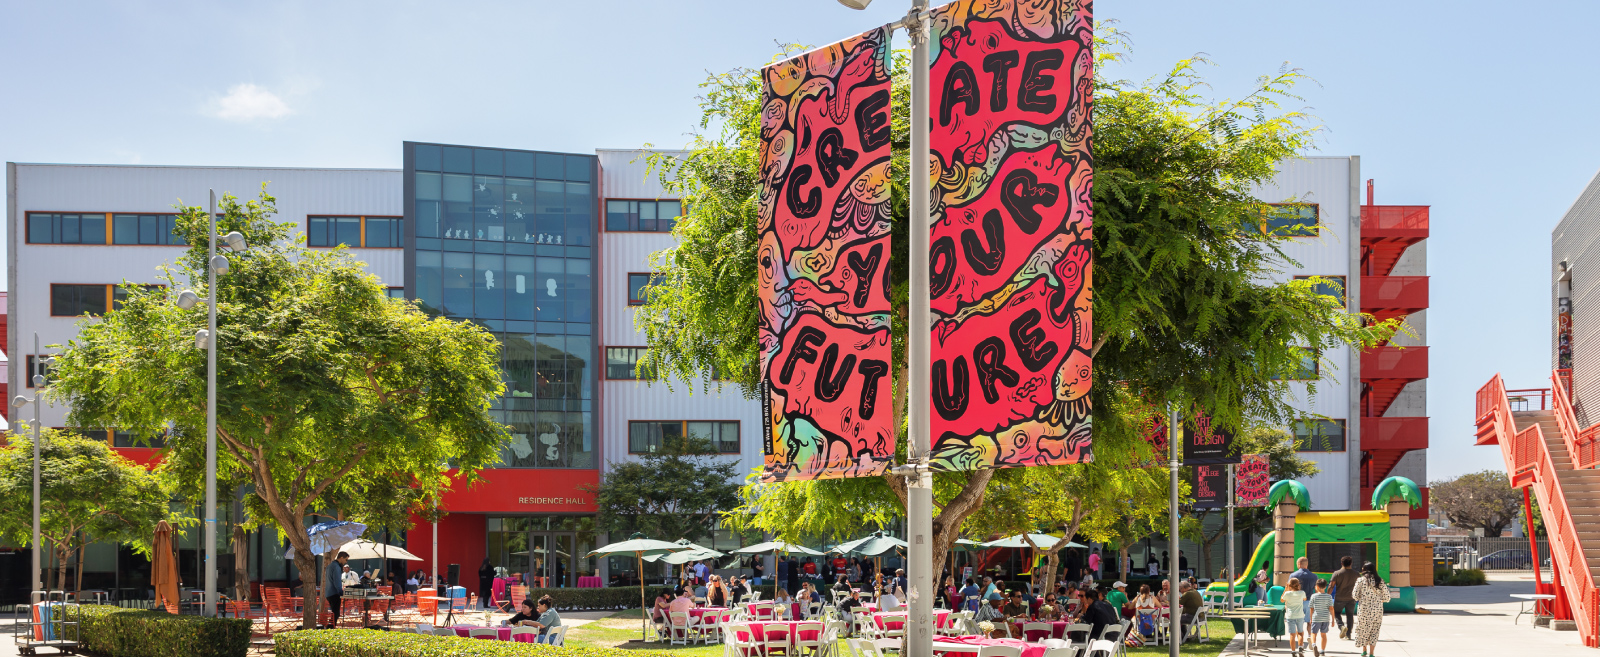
(1382, 537)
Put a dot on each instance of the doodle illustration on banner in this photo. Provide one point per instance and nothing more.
(1009, 262)
(824, 257)
(1251, 479)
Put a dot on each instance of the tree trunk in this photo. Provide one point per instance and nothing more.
(77, 588)
(1123, 565)
(62, 552)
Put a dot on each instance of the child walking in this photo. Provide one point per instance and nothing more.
(1294, 616)
(1321, 617)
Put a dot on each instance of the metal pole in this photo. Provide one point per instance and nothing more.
(1176, 617)
(211, 415)
(435, 578)
(919, 494)
(38, 364)
(1229, 580)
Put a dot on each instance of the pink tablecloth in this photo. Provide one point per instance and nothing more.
(946, 645)
(794, 609)
(762, 628)
(698, 612)
(590, 582)
(505, 633)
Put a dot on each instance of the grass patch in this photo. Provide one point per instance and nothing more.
(1221, 635)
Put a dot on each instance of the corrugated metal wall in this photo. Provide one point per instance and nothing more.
(1573, 241)
(93, 188)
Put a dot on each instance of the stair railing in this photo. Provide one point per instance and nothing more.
(1530, 464)
(1582, 444)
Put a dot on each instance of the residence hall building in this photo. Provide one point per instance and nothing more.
(1374, 403)
(546, 250)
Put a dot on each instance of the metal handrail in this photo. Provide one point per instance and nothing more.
(1530, 464)
(1581, 443)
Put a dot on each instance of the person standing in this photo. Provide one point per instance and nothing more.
(1307, 579)
(781, 573)
(1072, 565)
(1370, 594)
(485, 584)
(1094, 563)
(793, 579)
(1343, 583)
(333, 586)
(757, 567)
(1295, 603)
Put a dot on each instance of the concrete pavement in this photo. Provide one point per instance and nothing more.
(1466, 620)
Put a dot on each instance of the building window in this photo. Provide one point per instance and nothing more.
(1291, 220)
(396, 292)
(1310, 366)
(646, 216)
(72, 300)
(1319, 436)
(622, 363)
(636, 285)
(1332, 286)
(362, 232)
(103, 228)
(128, 439)
(648, 437)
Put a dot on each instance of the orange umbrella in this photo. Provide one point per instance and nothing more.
(164, 567)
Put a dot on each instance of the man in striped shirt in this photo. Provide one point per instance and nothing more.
(1321, 616)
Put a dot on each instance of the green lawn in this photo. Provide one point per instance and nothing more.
(621, 630)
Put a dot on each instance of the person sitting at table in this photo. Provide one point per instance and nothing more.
(887, 601)
(1050, 611)
(682, 603)
(1097, 613)
(969, 596)
(991, 612)
(525, 616)
(783, 598)
(1015, 609)
(842, 584)
(736, 589)
(716, 594)
(659, 608)
(411, 583)
(1164, 598)
(1117, 597)
(1189, 602)
(548, 618)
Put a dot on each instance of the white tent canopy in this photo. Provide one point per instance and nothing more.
(364, 549)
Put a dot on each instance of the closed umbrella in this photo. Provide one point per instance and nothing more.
(164, 567)
(639, 546)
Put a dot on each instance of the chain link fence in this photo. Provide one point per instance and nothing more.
(1487, 553)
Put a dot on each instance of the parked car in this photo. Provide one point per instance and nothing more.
(1506, 560)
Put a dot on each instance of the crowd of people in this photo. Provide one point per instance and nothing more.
(1313, 606)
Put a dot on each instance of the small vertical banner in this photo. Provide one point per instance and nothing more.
(1206, 444)
(1010, 250)
(1209, 487)
(823, 259)
(1251, 479)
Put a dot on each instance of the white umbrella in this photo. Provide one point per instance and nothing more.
(364, 549)
(639, 547)
(680, 558)
(1040, 541)
(777, 546)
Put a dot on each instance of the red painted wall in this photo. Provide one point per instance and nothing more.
(526, 492)
(462, 540)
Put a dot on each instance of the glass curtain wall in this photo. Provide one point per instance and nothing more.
(503, 238)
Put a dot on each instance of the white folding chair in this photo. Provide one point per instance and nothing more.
(678, 627)
(443, 631)
(710, 627)
(777, 639)
(424, 628)
(886, 646)
(483, 633)
(1083, 629)
(557, 636)
(886, 632)
(524, 631)
(999, 651)
(863, 625)
(813, 645)
(741, 641)
(863, 647)
(1028, 630)
(1064, 651)
(1102, 647)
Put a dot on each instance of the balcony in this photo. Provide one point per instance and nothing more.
(1386, 232)
(1396, 433)
(1394, 363)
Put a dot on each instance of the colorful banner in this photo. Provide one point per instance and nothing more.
(824, 255)
(1208, 485)
(1011, 243)
(1251, 479)
(1205, 444)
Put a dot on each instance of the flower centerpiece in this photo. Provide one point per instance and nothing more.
(986, 627)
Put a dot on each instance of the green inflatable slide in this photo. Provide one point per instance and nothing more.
(1260, 560)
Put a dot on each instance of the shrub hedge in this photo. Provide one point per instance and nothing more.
(1445, 576)
(119, 632)
(622, 597)
(367, 643)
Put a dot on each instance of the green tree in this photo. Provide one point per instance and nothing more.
(87, 493)
(1187, 313)
(325, 384)
(673, 493)
(1480, 500)
(1283, 462)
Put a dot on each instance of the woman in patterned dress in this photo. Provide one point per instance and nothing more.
(1370, 594)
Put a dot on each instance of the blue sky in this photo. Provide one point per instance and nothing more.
(1446, 104)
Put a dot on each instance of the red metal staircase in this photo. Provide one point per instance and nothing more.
(1546, 452)
(1386, 232)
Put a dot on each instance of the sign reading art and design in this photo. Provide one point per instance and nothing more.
(1207, 444)
(1010, 243)
(824, 255)
(1209, 487)
(1251, 479)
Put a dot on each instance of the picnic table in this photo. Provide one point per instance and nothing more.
(1247, 620)
(1526, 598)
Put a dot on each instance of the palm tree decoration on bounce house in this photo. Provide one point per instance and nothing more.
(1382, 536)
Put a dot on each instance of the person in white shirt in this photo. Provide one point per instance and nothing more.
(1294, 615)
(350, 577)
(887, 601)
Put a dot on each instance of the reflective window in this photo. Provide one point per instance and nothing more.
(1319, 436)
(103, 228)
(1332, 286)
(646, 437)
(1291, 220)
(647, 216)
(622, 363)
(73, 300)
(636, 285)
(368, 232)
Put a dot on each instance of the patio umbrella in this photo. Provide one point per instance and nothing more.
(639, 546)
(325, 536)
(872, 546)
(1040, 541)
(686, 556)
(361, 548)
(689, 546)
(775, 547)
(164, 566)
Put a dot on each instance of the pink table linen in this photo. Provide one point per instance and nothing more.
(698, 612)
(762, 628)
(590, 582)
(794, 609)
(505, 633)
(941, 646)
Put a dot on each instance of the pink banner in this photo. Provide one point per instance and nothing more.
(824, 229)
(1011, 242)
(1251, 479)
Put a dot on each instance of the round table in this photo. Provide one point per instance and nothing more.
(698, 612)
(969, 645)
(590, 582)
(794, 608)
(504, 633)
(1273, 625)
(761, 628)
(897, 620)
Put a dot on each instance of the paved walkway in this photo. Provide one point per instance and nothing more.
(1466, 620)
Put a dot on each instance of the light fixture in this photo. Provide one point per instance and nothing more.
(19, 401)
(202, 339)
(38, 380)
(234, 240)
(187, 299)
(855, 4)
(219, 264)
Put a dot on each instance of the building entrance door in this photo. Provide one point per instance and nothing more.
(552, 558)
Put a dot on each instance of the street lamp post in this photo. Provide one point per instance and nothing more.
(207, 339)
(38, 384)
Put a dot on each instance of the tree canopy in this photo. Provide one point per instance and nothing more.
(669, 494)
(1190, 309)
(325, 385)
(87, 493)
(1479, 500)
